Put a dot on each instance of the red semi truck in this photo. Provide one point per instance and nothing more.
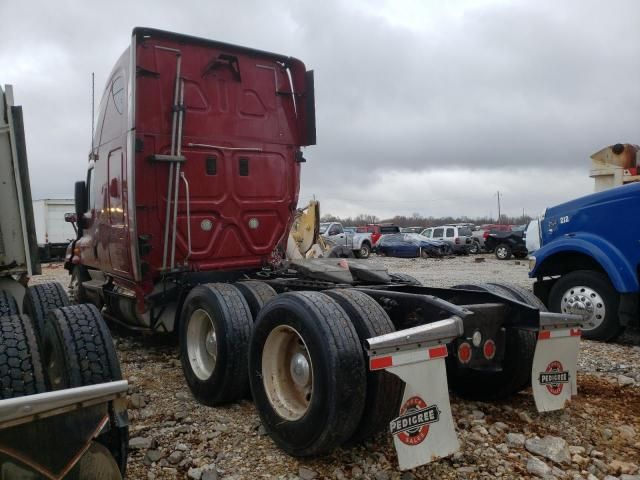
(183, 220)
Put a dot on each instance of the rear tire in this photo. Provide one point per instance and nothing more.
(21, 371)
(39, 299)
(597, 288)
(257, 294)
(215, 327)
(364, 252)
(474, 248)
(8, 304)
(78, 350)
(97, 463)
(384, 390)
(307, 373)
(503, 252)
(515, 375)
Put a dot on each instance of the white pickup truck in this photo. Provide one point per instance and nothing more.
(360, 243)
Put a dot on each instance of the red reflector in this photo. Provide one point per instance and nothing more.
(544, 335)
(380, 363)
(489, 349)
(575, 332)
(437, 352)
(464, 353)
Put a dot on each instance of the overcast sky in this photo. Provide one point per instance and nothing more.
(422, 106)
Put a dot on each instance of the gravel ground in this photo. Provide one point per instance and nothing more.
(597, 436)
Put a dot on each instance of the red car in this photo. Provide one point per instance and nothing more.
(377, 230)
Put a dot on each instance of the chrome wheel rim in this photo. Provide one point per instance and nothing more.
(501, 252)
(202, 344)
(287, 373)
(587, 302)
(364, 251)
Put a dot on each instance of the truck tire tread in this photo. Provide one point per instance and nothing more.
(8, 304)
(81, 339)
(384, 390)
(21, 371)
(39, 299)
(257, 294)
(228, 382)
(339, 365)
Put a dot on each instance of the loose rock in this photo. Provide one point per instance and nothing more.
(553, 448)
(537, 467)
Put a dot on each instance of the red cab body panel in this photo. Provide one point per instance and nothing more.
(244, 120)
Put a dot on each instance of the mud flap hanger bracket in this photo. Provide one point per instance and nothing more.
(424, 429)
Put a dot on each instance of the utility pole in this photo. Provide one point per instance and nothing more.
(499, 215)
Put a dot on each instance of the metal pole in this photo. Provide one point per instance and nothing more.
(167, 218)
(177, 182)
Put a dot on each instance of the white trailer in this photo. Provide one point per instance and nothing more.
(47, 378)
(52, 231)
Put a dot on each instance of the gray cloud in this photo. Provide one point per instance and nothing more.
(491, 90)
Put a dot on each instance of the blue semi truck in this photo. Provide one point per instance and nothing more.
(589, 260)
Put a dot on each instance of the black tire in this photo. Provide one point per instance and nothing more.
(8, 304)
(515, 375)
(76, 292)
(364, 252)
(503, 252)
(340, 251)
(96, 463)
(21, 371)
(336, 375)
(609, 327)
(257, 294)
(474, 248)
(522, 294)
(384, 390)
(228, 313)
(78, 350)
(405, 278)
(39, 299)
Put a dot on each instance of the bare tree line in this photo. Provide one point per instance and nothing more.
(417, 220)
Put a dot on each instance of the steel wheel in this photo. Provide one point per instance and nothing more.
(503, 252)
(585, 301)
(474, 248)
(365, 251)
(202, 344)
(287, 373)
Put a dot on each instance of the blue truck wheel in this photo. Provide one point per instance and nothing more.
(588, 293)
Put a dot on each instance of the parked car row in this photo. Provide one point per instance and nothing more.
(505, 241)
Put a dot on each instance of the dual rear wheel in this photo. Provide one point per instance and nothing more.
(307, 364)
(55, 346)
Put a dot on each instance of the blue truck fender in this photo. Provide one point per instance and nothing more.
(621, 274)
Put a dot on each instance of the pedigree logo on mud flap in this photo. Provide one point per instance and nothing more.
(554, 377)
(412, 426)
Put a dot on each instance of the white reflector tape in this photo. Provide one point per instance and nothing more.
(553, 377)
(423, 431)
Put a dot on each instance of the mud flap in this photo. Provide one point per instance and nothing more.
(424, 429)
(554, 371)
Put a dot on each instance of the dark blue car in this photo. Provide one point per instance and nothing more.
(411, 245)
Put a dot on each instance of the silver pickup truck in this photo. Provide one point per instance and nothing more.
(360, 243)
